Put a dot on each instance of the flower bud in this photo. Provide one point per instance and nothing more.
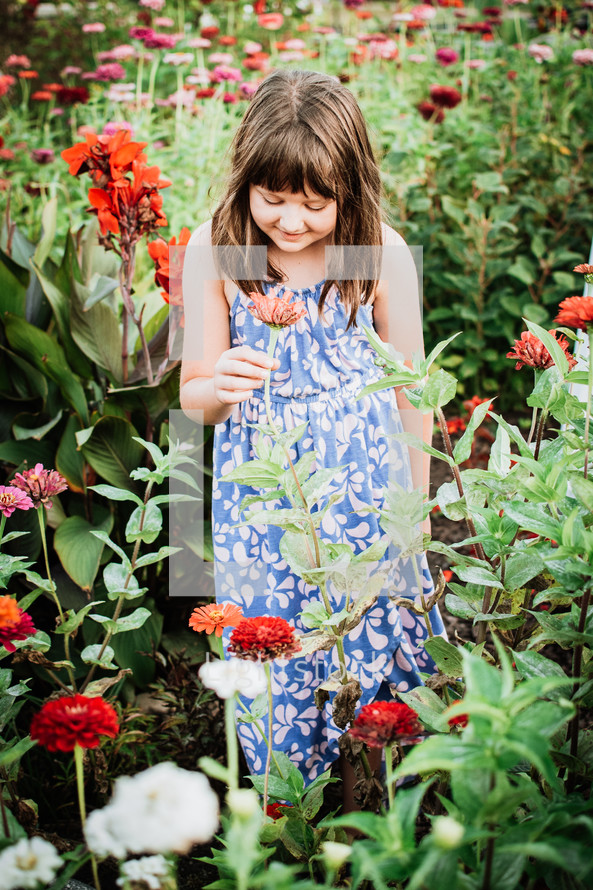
(243, 802)
(335, 854)
(447, 832)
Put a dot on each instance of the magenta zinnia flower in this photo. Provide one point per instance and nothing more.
(445, 96)
(12, 498)
(40, 484)
(275, 311)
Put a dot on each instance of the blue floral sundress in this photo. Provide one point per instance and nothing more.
(322, 369)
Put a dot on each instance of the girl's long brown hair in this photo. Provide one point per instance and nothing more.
(304, 130)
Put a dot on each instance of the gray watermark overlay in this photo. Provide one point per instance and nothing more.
(242, 574)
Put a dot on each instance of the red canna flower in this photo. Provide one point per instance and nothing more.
(382, 723)
(168, 274)
(275, 311)
(530, 350)
(14, 623)
(102, 203)
(106, 158)
(445, 96)
(214, 617)
(13, 498)
(576, 312)
(62, 723)
(263, 638)
(40, 484)
(431, 112)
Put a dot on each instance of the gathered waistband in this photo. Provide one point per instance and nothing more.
(346, 390)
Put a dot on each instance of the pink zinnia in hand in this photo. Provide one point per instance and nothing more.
(275, 311)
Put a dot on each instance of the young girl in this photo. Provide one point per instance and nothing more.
(304, 178)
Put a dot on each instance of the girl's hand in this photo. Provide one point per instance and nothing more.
(239, 371)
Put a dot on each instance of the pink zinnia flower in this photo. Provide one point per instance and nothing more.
(14, 61)
(424, 12)
(40, 484)
(12, 498)
(155, 5)
(93, 28)
(108, 72)
(160, 41)
(224, 72)
(583, 57)
(446, 56)
(43, 155)
(164, 21)
(541, 52)
(199, 43)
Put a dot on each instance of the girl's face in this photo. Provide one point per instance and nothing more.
(292, 221)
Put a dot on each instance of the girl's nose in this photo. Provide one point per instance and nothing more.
(291, 221)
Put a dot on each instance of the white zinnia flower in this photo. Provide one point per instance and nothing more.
(28, 862)
(234, 675)
(149, 870)
(163, 809)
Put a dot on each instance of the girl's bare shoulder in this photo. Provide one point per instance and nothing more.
(202, 238)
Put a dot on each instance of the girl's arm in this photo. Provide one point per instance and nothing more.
(214, 376)
(398, 320)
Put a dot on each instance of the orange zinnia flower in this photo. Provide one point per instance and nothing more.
(576, 312)
(275, 311)
(214, 617)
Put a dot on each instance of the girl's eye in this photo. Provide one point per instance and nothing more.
(273, 203)
(316, 209)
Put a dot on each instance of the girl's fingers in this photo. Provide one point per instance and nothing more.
(228, 397)
(244, 370)
(230, 383)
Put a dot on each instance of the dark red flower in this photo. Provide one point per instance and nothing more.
(40, 484)
(62, 723)
(210, 32)
(576, 312)
(431, 112)
(14, 623)
(205, 93)
(530, 350)
(72, 95)
(445, 96)
(382, 723)
(264, 638)
(470, 405)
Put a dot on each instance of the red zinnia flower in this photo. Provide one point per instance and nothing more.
(445, 96)
(12, 498)
(530, 350)
(430, 112)
(14, 623)
(214, 617)
(63, 723)
(382, 723)
(277, 311)
(587, 271)
(576, 312)
(263, 638)
(40, 484)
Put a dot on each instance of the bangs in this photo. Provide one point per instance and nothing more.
(296, 160)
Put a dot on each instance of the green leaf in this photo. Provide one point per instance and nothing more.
(48, 231)
(116, 494)
(75, 619)
(256, 473)
(144, 524)
(500, 454)
(13, 287)
(69, 460)
(520, 568)
(100, 286)
(533, 518)
(421, 445)
(96, 332)
(214, 769)
(582, 489)
(133, 621)
(90, 655)
(111, 451)
(33, 426)
(103, 536)
(444, 752)
(475, 575)
(551, 345)
(446, 656)
(162, 553)
(115, 576)
(428, 706)
(47, 356)
(79, 550)
(463, 448)
(439, 390)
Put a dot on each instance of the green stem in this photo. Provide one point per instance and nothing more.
(425, 611)
(534, 413)
(232, 750)
(264, 737)
(179, 106)
(589, 393)
(2, 525)
(274, 333)
(152, 78)
(78, 755)
(270, 727)
(139, 77)
(389, 780)
(69, 668)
